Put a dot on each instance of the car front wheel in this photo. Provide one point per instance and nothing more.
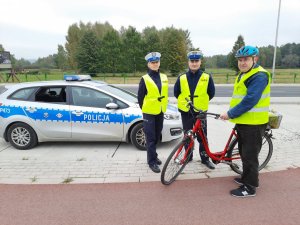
(22, 136)
(137, 137)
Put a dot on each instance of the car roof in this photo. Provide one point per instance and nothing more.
(89, 84)
(56, 82)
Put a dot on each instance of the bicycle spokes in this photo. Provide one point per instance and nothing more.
(263, 157)
(175, 163)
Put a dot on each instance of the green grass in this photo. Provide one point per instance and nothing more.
(220, 76)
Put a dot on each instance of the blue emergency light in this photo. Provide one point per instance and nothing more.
(77, 77)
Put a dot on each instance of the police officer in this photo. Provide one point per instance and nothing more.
(249, 107)
(199, 87)
(153, 100)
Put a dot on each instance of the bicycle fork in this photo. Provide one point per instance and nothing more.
(187, 147)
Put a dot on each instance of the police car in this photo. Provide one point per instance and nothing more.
(75, 109)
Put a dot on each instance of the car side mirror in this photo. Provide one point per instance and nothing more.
(112, 105)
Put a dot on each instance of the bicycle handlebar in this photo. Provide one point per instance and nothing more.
(189, 102)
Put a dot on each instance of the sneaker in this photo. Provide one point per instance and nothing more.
(243, 191)
(239, 181)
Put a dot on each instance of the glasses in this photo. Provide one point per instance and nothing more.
(194, 60)
(154, 62)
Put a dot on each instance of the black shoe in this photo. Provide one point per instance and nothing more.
(243, 191)
(154, 168)
(239, 181)
(209, 165)
(158, 161)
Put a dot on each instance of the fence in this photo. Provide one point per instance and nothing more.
(219, 78)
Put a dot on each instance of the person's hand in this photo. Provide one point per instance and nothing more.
(224, 116)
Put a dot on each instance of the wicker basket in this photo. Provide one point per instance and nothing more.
(274, 119)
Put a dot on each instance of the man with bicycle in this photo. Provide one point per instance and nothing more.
(198, 87)
(249, 108)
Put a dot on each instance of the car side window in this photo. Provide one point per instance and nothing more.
(90, 98)
(22, 94)
(51, 94)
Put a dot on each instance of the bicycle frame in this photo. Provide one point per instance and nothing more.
(197, 130)
(180, 155)
(217, 156)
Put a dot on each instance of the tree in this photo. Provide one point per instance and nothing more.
(132, 51)
(88, 53)
(291, 61)
(231, 60)
(22, 64)
(101, 29)
(174, 50)
(151, 40)
(61, 58)
(45, 62)
(73, 39)
(111, 52)
(266, 55)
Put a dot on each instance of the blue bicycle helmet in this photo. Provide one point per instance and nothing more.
(247, 51)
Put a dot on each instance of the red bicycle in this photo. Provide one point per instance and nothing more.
(181, 153)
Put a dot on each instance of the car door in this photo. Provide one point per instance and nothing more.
(49, 112)
(91, 120)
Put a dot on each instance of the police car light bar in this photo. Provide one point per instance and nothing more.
(77, 77)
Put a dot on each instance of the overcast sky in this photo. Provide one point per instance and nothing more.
(33, 28)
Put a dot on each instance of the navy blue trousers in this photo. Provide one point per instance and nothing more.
(153, 125)
(188, 120)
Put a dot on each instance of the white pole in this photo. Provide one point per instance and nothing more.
(275, 47)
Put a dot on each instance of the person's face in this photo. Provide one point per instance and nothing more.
(194, 64)
(154, 65)
(246, 63)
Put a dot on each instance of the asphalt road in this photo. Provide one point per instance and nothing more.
(226, 90)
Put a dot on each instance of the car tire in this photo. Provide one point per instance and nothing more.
(22, 136)
(137, 137)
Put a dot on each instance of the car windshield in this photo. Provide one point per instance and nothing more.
(126, 95)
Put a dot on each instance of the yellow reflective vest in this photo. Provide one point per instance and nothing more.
(259, 114)
(201, 98)
(154, 102)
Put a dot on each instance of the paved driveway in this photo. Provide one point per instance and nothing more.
(120, 162)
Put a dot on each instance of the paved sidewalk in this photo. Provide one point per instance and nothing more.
(53, 163)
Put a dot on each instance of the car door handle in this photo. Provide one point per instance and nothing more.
(77, 113)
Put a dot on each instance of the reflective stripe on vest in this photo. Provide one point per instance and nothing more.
(202, 99)
(259, 114)
(154, 102)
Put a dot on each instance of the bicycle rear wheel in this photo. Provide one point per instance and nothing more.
(175, 163)
(263, 157)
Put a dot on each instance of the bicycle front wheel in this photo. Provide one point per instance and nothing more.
(264, 156)
(175, 163)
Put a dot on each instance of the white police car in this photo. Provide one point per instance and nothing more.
(75, 109)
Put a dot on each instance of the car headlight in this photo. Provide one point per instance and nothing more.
(169, 116)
